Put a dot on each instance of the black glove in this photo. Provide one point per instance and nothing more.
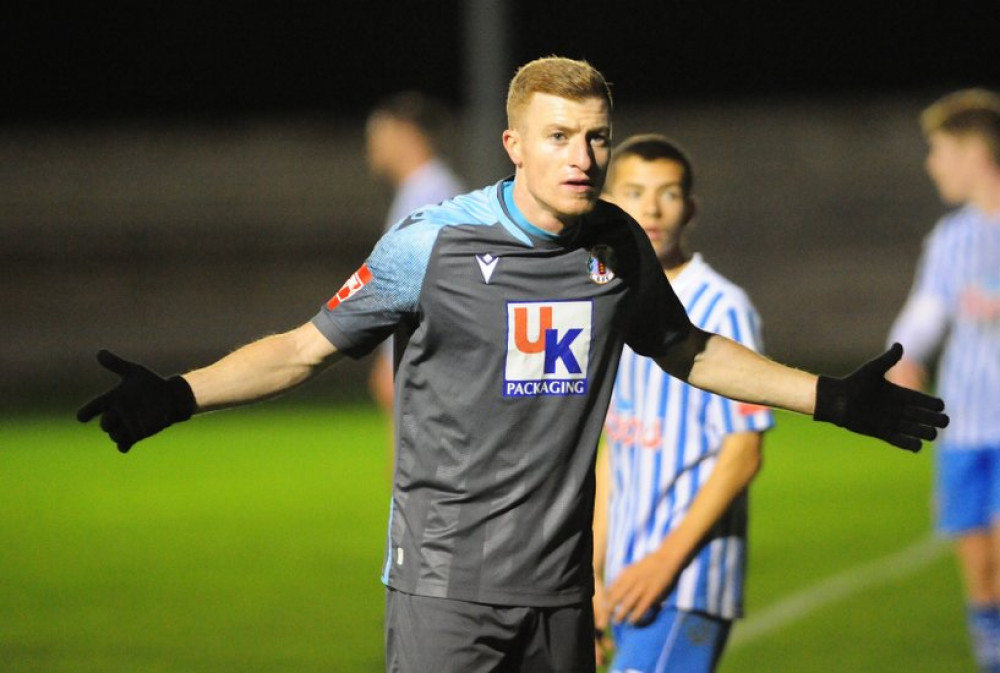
(140, 405)
(864, 402)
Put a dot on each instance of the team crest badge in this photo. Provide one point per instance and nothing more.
(601, 264)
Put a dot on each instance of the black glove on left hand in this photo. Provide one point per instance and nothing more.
(866, 403)
(142, 404)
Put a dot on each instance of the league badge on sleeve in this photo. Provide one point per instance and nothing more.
(601, 263)
(358, 280)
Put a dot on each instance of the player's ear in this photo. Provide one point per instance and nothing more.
(512, 144)
(690, 209)
(980, 151)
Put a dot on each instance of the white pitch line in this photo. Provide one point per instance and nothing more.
(787, 610)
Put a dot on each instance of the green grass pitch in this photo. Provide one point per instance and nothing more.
(251, 540)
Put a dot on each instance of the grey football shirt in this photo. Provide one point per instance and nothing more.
(510, 342)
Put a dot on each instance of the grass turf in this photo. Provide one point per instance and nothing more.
(828, 501)
(252, 541)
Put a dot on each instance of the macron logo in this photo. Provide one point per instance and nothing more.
(487, 263)
(548, 348)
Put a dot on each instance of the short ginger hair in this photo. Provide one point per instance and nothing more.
(969, 112)
(564, 77)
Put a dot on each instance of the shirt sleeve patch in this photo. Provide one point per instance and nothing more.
(358, 280)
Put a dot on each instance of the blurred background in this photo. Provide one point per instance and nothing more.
(177, 179)
(181, 178)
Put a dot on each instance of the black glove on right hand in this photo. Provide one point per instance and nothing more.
(142, 404)
(866, 403)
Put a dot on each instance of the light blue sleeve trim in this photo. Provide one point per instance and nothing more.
(500, 214)
(388, 545)
(400, 259)
(398, 264)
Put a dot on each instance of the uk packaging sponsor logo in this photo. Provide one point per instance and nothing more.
(548, 348)
(358, 280)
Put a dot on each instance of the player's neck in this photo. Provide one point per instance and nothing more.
(674, 263)
(986, 198)
(408, 165)
(536, 214)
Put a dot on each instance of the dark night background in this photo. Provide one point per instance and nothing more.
(215, 59)
(179, 178)
(165, 166)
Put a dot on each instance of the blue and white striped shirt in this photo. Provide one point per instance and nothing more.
(665, 437)
(955, 299)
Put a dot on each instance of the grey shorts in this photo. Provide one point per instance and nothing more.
(446, 636)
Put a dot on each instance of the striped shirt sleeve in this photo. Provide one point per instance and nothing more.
(738, 320)
(923, 321)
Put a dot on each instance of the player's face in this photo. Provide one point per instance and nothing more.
(651, 192)
(561, 149)
(953, 163)
(382, 135)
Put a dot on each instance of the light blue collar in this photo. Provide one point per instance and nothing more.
(518, 217)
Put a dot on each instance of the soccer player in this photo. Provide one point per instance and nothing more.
(514, 302)
(402, 143)
(670, 523)
(955, 301)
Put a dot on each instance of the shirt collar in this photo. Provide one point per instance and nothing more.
(507, 194)
(692, 270)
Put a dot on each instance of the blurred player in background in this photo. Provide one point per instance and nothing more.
(955, 302)
(516, 300)
(403, 137)
(670, 523)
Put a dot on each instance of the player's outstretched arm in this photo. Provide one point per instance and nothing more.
(720, 365)
(263, 369)
(144, 403)
(863, 402)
